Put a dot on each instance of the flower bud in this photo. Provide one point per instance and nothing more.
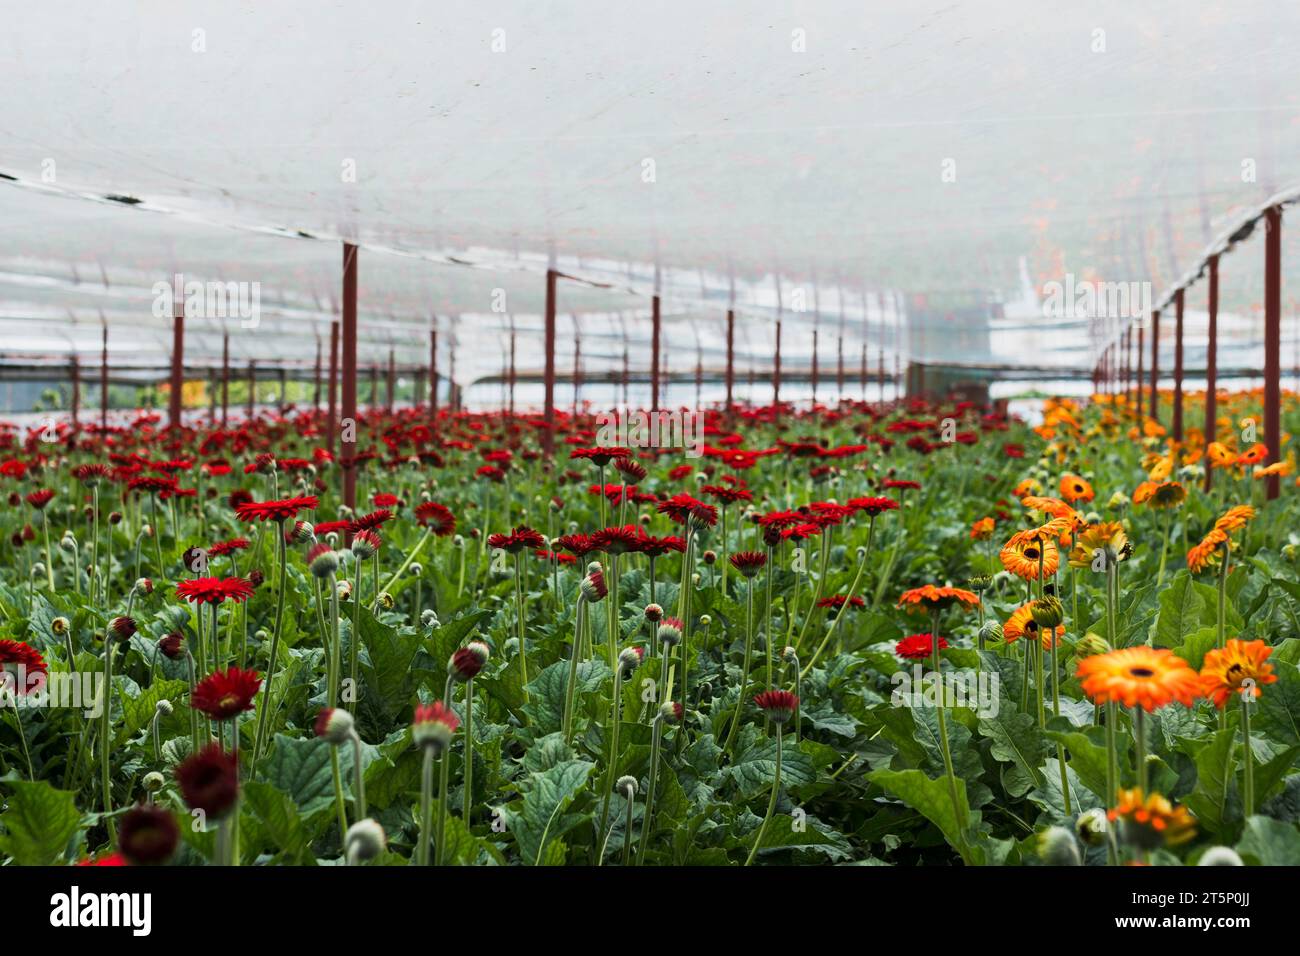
(1047, 612)
(171, 646)
(386, 600)
(466, 663)
(322, 560)
(163, 708)
(153, 781)
(429, 619)
(1220, 856)
(365, 840)
(671, 712)
(670, 632)
(122, 628)
(626, 785)
(1091, 827)
(629, 659)
(60, 625)
(1090, 645)
(1057, 847)
(593, 586)
(335, 725)
(991, 631)
(654, 613)
(144, 586)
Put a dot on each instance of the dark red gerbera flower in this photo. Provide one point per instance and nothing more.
(225, 694)
(600, 456)
(873, 506)
(209, 780)
(900, 484)
(728, 495)
(517, 540)
(618, 540)
(684, 509)
(222, 548)
(801, 532)
(214, 590)
(838, 600)
(631, 469)
(434, 725)
(22, 661)
(91, 474)
(748, 563)
(778, 705)
(555, 556)
(782, 519)
(680, 472)
(332, 527)
(370, 521)
(433, 515)
(653, 547)
(148, 834)
(825, 513)
(151, 484)
(39, 499)
(490, 472)
(386, 500)
(918, 647)
(578, 544)
(281, 510)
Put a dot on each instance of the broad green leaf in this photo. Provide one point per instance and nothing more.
(1269, 842)
(300, 767)
(39, 822)
(1215, 801)
(1181, 606)
(1017, 740)
(932, 798)
(1278, 708)
(537, 819)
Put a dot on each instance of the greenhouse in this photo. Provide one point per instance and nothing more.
(678, 435)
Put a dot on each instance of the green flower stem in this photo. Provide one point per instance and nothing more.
(359, 776)
(767, 615)
(339, 803)
(944, 747)
(821, 584)
(1140, 747)
(1248, 758)
(848, 603)
(1056, 712)
(263, 717)
(94, 543)
(771, 803)
(611, 770)
(467, 798)
(49, 564)
(627, 826)
(426, 808)
(410, 558)
(1164, 546)
(647, 813)
(571, 687)
(105, 744)
(444, 772)
(520, 614)
(157, 535)
(744, 670)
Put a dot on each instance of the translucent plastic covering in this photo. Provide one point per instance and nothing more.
(905, 177)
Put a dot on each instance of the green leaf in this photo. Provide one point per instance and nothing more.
(1279, 705)
(280, 821)
(1017, 740)
(301, 769)
(39, 823)
(1181, 606)
(1215, 801)
(538, 819)
(1198, 642)
(933, 800)
(1269, 842)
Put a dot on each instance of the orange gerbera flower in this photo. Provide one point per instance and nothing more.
(1027, 486)
(1280, 468)
(1219, 455)
(1160, 494)
(1023, 553)
(938, 596)
(1074, 488)
(1253, 455)
(1151, 821)
(982, 530)
(1199, 556)
(1225, 671)
(1235, 518)
(1021, 623)
(1140, 676)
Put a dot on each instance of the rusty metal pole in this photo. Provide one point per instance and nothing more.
(731, 355)
(433, 376)
(1273, 342)
(1178, 365)
(178, 361)
(548, 409)
(332, 390)
(814, 366)
(1155, 365)
(1212, 365)
(252, 387)
(316, 391)
(225, 378)
(391, 393)
(776, 371)
(654, 353)
(103, 380)
(75, 374)
(348, 335)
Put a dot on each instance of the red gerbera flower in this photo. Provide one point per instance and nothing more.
(778, 705)
(23, 661)
(617, 540)
(873, 506)
(228, 547)
(209, 780)
(91, 474)
(684, 509)
(600, 456)
(225, 694)
(332, 527)
(897, 483)
(436, 516)
(839, 600)
(728, 495)
(39, 499)
(370, 521)
(654, 547)
(151, 484)
(517, 540)
(214, 590)
(748, 563)
(281, 510)
(918, 647)
(578, 544)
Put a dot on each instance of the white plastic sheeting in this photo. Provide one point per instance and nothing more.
(909, 174)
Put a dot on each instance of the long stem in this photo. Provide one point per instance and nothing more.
(467, 798)
(570, 690)
(771, 803)
(744, 670)
(105, 727)
(443, 784)
(943, 741)
(359, 786)
(1140, 746)
(263, 717)
(49, 564)
(519, 616)
(426, 809)
(647, 813)
(1248, 758)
